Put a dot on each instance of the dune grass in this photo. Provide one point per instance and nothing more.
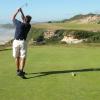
(49, 74)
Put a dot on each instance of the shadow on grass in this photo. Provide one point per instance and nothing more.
(41, 74)
(5, 49)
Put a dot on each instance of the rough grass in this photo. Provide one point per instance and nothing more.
(49, 74)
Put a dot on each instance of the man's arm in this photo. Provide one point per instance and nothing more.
(23, 16)
(14, 16)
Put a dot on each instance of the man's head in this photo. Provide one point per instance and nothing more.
(28, 18)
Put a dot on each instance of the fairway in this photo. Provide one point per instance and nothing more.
(49, 75)
(68, 26)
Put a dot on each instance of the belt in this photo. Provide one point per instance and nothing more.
(20, 39)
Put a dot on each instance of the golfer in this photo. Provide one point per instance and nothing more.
(22, 28)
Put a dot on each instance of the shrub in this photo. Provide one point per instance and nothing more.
(59, 34)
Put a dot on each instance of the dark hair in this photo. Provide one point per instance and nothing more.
(28, 18)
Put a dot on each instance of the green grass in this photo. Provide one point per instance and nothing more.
(56, 26)
(76, 26)
(48, 75)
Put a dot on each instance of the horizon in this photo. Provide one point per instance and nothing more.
(33, 22)
(42, 11)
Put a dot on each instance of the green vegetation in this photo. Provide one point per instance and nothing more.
(82, 31)
(36, 33)
(80, 34)
(92, 37)
(49, 74)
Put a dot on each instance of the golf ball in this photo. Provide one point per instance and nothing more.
(73, 74)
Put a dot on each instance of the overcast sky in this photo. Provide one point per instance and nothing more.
(45, 10)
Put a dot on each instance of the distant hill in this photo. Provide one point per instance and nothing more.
(84, 19)
(89, 22)
(8, 26)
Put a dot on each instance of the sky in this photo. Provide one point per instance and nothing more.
(47, 10)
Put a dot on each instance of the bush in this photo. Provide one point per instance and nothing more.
(95, 38)
(79, 34)
(36, 33)
(83, 34)
(59, 34)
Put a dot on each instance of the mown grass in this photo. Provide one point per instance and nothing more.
(49, 74)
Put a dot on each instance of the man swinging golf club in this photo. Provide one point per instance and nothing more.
(19, 43)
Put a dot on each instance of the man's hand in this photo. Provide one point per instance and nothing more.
(20, 9)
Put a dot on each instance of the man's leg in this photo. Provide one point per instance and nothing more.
(23, 51)
(17, 61)
(22, 63)
(16, 55)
